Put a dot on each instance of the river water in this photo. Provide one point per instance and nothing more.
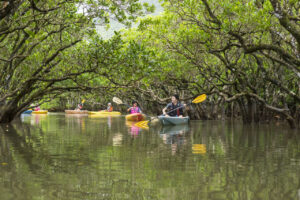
(58, 156)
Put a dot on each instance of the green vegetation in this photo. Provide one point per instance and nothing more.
(243, 54)
(48, 48)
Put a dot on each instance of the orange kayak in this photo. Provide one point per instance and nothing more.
(76, 111)
(104, 113)
(135, 117)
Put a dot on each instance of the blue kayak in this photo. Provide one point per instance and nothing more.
(27, 112)
(173, 120)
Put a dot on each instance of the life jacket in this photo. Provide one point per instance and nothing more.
(134, 110)
(177, 111)
(109, 109)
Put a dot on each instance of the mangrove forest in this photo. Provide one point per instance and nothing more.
(244, 55)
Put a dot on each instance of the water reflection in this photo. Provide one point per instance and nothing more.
(33, 119)
(52, 159)
(37, 119)
(132, 129)
(175, 130)
(109, 119)
(174, 136)
(109, 122)
(20, 140)
(199, 148)
(77, 120)
(117, 139)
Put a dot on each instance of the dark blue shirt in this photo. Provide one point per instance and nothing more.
(176, 112)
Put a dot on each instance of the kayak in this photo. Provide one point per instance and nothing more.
(27, 112)
(105, 113)
(135, 117)
(40, 112)
(130, 123)
(103, 116)
(173, 120)
(76, 111)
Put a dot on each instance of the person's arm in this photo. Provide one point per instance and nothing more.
(140, 110)
(128, 110)
(164, 110)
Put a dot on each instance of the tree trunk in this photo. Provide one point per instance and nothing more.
(7, 114)
(291, 122)
(250, 110)
(243, 111)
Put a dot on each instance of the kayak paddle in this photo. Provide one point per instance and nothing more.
(198, 99)
(119, 101)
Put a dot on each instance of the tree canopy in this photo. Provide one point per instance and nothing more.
(45, 48)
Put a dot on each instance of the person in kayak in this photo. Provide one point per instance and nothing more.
(37, 108)
(172, 106)
(109, 108)
(79, 106)
(134, 108)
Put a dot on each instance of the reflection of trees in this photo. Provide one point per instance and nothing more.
(240, 162)
(24, 147)
(26, 160)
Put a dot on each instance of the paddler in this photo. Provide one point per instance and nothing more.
(109, 107)
(134, 108)
(175, 106)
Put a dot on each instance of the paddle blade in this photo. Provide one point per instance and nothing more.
(142, 124)
(117, 100)
(199, 98)
(83, 101)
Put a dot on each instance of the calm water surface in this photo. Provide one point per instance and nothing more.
(59, 156)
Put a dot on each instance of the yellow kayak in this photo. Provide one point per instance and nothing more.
(40, 112)
(135, 117)
(105, 113)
